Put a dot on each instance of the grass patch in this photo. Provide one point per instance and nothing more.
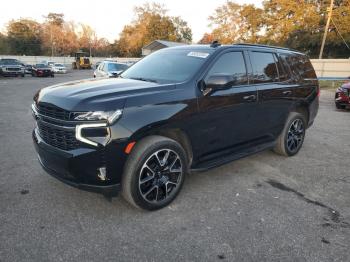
(330, 84)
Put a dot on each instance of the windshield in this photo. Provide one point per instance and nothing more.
(168, 66)
(40, 66)
(60, 65)
(9, 62)
(116, 67)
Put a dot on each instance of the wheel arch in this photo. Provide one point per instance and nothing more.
(303, 109)
(173, 133)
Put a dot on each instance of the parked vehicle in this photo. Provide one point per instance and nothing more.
(96, 65)
(42, 70)
(342, 96)
(59, 68)
(82, 61)
(11, 67)
(28, 69)
(109, 69)
(178, 110)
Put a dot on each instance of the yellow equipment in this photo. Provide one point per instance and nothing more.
(82, 61)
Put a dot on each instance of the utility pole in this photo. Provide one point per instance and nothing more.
(326, 29)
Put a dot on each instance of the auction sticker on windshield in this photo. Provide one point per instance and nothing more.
(198, 54)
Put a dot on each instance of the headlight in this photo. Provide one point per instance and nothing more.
(110, 116)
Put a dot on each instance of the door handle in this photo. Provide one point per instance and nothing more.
(250, 98)
(287, 93)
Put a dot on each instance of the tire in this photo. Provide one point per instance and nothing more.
(52, 75)
(292, 137)
(23, 75)
(151, 195)
(338, 106)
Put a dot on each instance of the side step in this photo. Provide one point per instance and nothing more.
(229, 158)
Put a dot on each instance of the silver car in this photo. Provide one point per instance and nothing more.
(109, 69)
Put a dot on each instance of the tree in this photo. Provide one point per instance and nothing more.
(56, 19)
(151, 23)
(207, 38)
(295, 24)
(24, 37)
(4, 45)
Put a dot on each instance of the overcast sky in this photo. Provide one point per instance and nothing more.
(108, 17)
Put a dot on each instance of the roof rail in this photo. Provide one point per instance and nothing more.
(215, 43)
(259, 45)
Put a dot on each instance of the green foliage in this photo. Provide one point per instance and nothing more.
(24, 37)
(4, 45)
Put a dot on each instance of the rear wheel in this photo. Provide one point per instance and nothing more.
(292, 137)
(154, 173)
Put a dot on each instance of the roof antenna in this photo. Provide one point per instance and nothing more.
(215, 43)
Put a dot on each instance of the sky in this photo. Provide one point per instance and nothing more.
(108, 17)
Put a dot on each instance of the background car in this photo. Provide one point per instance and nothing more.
(28, 69)
(109, 69)
(42, 70)
(11, 67)
(342, 96)
(59, 68)
(96, 65)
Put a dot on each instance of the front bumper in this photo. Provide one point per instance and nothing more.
(80, 167)
(342, 98)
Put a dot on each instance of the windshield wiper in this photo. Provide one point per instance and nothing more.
(144, 79)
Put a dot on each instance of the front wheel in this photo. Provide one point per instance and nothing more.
(339, 106)
(292, 137)
(154, 173)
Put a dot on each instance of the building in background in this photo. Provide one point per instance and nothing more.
(158, 44)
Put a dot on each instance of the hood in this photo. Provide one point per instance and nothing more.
(98, 94)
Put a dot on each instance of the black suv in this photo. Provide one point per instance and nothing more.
(178, 110)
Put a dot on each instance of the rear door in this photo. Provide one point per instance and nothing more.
(275, 92)
(227, 116)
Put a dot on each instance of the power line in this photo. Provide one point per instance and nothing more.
(336, 28)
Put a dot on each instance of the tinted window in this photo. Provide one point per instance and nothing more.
(231, 64)
(168, 65)
(264, 67)
(116, 67)
(300, 66)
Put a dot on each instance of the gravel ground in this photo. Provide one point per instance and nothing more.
(261, 208)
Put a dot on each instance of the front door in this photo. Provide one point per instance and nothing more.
(227, 116)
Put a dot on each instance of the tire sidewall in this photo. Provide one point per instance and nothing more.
(134, 190)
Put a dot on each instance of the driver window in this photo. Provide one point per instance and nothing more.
(231, 63)
(100, 68)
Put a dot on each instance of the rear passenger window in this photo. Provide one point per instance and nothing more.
(264, 67)
(300, 66)
(231, 64)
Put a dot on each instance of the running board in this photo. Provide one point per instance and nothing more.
(204, 166)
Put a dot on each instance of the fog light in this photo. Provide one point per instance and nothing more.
(102, 173)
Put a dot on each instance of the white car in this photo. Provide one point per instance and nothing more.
(59, 68)
(109, 69)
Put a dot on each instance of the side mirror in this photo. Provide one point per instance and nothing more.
(218, 82)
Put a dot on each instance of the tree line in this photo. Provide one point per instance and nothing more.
(297, 24)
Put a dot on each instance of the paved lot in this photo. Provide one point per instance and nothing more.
(261, 208)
